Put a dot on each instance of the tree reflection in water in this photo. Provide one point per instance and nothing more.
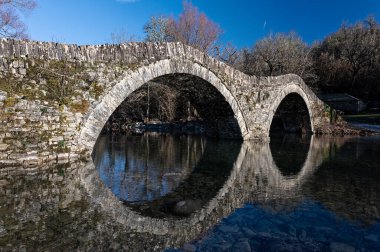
(148, 166)
(161, 174)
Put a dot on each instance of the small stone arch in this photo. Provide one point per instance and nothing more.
(99, 115)
(289, 89)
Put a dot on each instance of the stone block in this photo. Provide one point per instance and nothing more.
(22, 71)
(29, 162)
(15, 156)
(63, 156)
(3, 95)
(4, 147)
(74, 156)
(8, 162)
(3, 182)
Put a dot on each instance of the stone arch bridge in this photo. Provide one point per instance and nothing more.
(119, 70)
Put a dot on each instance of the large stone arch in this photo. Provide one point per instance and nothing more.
(288, 89)
(102, 111)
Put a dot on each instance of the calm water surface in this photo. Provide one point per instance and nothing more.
(190, 193)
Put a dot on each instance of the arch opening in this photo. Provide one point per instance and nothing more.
(166, 107)
(135, 79)
(176, 103)
(291, 116)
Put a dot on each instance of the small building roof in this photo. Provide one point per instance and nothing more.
(337, 97)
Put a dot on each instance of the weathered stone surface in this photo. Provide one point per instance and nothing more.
(3, 147)
(31, 161)
(3, 95)
(3, 182)
(63, 156)
(8, 162)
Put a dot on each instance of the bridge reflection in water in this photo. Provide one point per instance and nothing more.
(253, 177)
(82, 206)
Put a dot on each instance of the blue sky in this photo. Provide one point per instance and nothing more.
(243, 22)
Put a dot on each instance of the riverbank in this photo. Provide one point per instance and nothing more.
(344, 128)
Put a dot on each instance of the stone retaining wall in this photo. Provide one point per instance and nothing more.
(32, 133)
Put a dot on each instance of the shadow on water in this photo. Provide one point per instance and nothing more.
(245, 198)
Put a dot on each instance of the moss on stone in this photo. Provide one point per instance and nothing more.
(132, 66)
(81, 107)
(265, 95)
(10, 102)
(96, 90)
(10, 84)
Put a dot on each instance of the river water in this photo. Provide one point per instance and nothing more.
(159, 192)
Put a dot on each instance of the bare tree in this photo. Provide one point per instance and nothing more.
(161, 101)
(156, 29)
(245, 62)
(227, 53)
(122, 37)
(281, 54)
(192, 28)
(10, 24)
(349, 58)
(166, 99)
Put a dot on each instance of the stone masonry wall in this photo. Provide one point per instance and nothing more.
(33, 133)
(36, 129)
